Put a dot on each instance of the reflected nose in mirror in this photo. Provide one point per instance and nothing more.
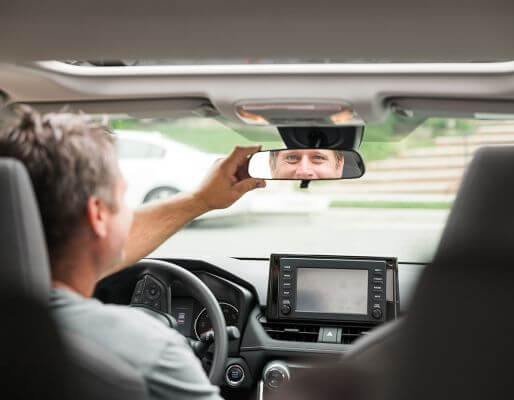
(306, 164)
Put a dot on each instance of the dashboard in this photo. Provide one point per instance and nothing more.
(320, 322)
(235, 300)
(202, 323)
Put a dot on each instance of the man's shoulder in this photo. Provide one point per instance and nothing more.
(126, 330)
(160, 353)
(72, 309)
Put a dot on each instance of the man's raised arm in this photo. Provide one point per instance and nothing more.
(154, 223)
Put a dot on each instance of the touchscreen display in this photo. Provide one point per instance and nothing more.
(323, 290)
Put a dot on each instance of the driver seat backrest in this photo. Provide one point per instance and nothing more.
(457, 340)
(25, 275)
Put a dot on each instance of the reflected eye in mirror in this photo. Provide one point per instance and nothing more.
(306, 164)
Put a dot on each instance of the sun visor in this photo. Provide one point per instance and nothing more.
(452, 108)
(139, 108)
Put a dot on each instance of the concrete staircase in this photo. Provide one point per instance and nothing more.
(429, 171)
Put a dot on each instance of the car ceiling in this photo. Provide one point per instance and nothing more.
(396, 31)
(437, 30)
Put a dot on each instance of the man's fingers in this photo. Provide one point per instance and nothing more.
(217, 162)
(242, 171)
(240, 154)
(249, 184)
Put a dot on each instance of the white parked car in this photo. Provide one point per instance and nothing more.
(156, 167)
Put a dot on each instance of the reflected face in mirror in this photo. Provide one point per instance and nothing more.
(306, 164)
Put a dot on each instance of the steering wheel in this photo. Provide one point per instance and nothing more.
(166, 271)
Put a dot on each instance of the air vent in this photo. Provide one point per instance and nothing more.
(291, 332)
(310, 333)
(350, 333)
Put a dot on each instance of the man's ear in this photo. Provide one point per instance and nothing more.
(97, 215)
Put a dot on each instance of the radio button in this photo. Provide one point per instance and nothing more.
(285, 309)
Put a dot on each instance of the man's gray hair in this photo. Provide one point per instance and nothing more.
(69, 158)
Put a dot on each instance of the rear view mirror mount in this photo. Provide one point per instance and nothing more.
(342, 137)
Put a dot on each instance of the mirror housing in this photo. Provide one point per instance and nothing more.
(341, 138)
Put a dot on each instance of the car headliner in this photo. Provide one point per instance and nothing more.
(397, 30)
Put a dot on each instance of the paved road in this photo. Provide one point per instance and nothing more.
(410, 235)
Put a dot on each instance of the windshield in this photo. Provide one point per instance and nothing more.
(397, 209)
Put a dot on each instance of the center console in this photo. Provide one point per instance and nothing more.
(322, 304)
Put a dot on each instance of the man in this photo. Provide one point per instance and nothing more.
(91, 233)
(306, 164)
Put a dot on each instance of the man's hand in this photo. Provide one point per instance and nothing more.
(229, 180)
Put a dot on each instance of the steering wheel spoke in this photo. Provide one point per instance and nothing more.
(202, 346)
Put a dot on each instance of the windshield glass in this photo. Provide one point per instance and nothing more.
(398, 208)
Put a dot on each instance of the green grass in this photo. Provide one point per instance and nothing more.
(430, 205)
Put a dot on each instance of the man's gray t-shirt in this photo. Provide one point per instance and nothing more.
(159, 353)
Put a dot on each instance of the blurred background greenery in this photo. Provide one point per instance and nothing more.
(381, 140)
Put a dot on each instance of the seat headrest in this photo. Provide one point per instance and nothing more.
(456, 341)
(24, 258)
(481, 222)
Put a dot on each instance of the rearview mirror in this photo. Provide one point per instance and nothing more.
(306, 164)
